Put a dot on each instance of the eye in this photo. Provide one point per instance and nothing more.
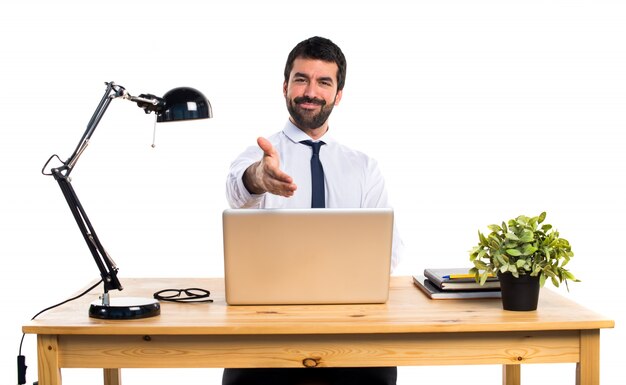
(325, 82)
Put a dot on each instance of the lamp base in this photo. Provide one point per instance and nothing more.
(125, 308)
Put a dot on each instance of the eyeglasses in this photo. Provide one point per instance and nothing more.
(190, 295)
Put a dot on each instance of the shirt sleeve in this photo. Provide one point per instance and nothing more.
(236, 193)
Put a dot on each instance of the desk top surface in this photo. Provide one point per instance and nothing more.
(407, 311)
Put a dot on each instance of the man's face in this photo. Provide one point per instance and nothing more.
(311, 93)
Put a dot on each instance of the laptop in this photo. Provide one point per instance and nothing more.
(307, 256)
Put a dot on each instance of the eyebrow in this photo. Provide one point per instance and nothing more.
(324, 78)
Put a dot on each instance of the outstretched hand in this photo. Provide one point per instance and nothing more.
(266, 175)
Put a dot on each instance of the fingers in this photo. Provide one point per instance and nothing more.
(273, 179)
(277, 187)
(276, 181)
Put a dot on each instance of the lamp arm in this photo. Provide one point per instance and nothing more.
(112, 91)
(148, 102)
(106, 265)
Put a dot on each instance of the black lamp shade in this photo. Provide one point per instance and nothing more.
(184, 103)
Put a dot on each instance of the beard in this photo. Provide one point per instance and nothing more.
(309, 119)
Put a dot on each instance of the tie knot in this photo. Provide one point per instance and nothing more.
(314, 145)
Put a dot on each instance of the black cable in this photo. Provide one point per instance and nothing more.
(21, 360)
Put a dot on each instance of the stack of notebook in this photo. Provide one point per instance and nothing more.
(455, 283)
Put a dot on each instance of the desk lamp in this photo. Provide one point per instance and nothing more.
(181, 103)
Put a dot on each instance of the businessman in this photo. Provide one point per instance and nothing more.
(302, 166)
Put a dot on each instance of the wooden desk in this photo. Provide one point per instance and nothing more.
(408, 330)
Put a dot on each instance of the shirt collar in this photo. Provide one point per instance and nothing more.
(296, 135)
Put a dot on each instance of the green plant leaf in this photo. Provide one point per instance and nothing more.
(567, 275)
(548, 271)
(513, 252)
(511, 236)
(493, 241)
(482, 239)
(555, 281)
(542, 217)
(480, 265)
(510, 245)
(526, 236)
(523, 220)
(475, 272)
(528, 249)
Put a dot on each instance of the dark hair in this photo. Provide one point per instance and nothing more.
(321, 49)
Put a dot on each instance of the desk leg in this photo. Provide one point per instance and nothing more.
(112, 377)
(588, 368)
(511, 374)
(48, 360)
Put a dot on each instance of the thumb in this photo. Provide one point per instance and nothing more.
(266, 146)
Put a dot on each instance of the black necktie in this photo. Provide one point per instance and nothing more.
(317, 175)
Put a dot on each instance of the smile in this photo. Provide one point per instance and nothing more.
(309, 106)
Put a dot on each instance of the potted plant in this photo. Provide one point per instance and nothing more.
(523, 253)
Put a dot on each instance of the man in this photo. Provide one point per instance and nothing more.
(302, 166)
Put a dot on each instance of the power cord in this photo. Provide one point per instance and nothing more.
(21, 360)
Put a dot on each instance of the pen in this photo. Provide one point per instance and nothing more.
(459, 276)
(453, 276)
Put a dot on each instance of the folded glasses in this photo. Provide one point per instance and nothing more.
(189, 295)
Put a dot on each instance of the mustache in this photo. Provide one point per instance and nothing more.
(306, 99)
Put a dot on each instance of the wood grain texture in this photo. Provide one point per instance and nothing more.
(407, 311)
(48, 367)
(588, 369)
(511, 374)
(323, 350)
(409, 329)
(112, 377)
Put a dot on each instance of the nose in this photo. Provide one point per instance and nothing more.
(310, 90)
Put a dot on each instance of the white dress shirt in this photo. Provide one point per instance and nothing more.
(351, 178)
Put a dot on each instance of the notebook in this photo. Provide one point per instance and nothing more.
(307, 256)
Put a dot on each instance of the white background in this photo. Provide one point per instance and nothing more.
(477, 111)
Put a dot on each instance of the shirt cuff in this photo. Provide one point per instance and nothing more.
(239, 196)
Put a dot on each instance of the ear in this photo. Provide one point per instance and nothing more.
(285, 89)
(338, 97)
